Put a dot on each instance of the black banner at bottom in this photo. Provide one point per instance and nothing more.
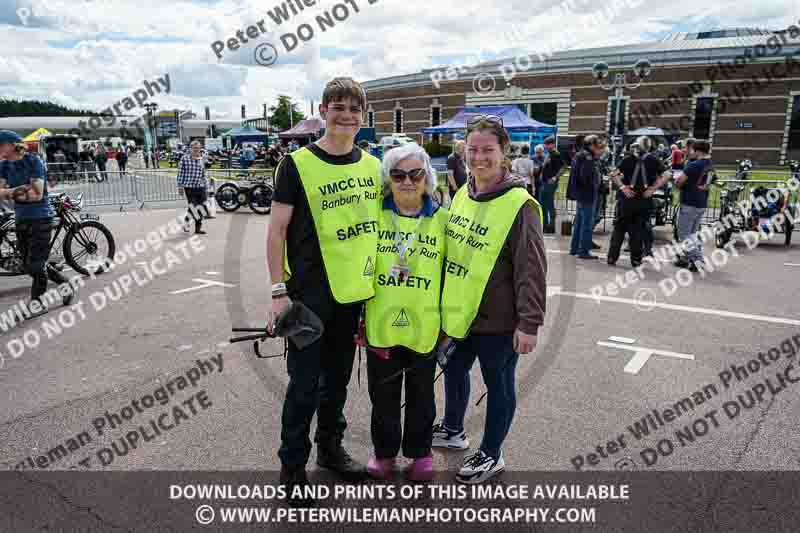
(154, 502)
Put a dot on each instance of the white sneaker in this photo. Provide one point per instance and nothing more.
(479, 467)
(444, 438)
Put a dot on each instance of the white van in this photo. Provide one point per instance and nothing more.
(391, 141)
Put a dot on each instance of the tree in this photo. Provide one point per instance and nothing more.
(33, 108)
(279, 114)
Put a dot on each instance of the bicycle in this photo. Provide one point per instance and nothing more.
(75, 237)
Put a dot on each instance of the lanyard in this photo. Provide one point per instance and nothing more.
(402, 246)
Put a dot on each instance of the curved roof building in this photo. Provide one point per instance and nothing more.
(739, 88)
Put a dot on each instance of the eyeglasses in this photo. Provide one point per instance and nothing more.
(491, 119)
(399, 176)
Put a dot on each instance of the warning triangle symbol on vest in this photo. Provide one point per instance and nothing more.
(369, 268)
(401, 320)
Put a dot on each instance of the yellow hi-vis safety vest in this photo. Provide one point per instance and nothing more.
(406, 313)
(476, 232)
(345, 203)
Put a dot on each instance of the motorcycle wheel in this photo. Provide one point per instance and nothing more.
(260, 199)
(85, 239)
(227, 197)
(723, 238)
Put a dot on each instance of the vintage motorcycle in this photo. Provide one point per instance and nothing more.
(78, 239)
(257, 194)
(743, 169)
(763, 205)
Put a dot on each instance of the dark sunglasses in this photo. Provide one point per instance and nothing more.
(491, 119)
(399, 176)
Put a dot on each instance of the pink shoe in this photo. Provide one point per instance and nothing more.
(421, 469)
(380, 468)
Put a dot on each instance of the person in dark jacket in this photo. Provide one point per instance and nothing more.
(640, 174)
(122, 158)
(584, 184)
(101, 158)
(551, 168)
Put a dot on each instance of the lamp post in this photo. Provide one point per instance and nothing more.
(151, 108)
(641, 71)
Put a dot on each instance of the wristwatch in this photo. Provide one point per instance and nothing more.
(278, 290)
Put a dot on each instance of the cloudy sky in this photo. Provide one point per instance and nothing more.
(90, 54)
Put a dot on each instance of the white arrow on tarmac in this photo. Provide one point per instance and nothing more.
(205, 283)
(642, 354)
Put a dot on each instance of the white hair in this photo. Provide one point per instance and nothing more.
(408, 151)
(539, 147)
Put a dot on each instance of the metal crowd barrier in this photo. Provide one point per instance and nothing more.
(98, 188)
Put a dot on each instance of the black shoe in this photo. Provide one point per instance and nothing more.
(296, 477)
(199, 232)
(67, 300)
(588, 256)
(692, 267)
(334, 457)
(636, 264)
(595, 246)
(35, 314)
(681, 263)
(611, 262)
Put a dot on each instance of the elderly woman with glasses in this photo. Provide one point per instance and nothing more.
(493, 300)
(403, 319)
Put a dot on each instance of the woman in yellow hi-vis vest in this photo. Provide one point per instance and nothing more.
(493, 300)
(402, 320)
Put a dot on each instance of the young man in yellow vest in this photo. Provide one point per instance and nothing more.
(324, 224)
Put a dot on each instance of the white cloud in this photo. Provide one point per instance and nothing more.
(92, 53)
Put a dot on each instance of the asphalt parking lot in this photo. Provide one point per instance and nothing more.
(574, 392)
(579, 400)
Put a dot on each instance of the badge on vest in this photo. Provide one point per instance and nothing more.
(400, 272)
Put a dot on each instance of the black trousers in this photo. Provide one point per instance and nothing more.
(33, 243)
(630, 218)
(196, 196)
(318, 379)
(416, 431)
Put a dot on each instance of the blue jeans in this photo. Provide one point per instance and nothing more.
(689, 219)
(498, 362)
(548, 199)
(581, 243)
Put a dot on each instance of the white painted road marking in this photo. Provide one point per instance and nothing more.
(211, 273)
(700, 310)
(792, 264)
(205, 283)
(642, 354)
(604, 256)
(626, 340)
